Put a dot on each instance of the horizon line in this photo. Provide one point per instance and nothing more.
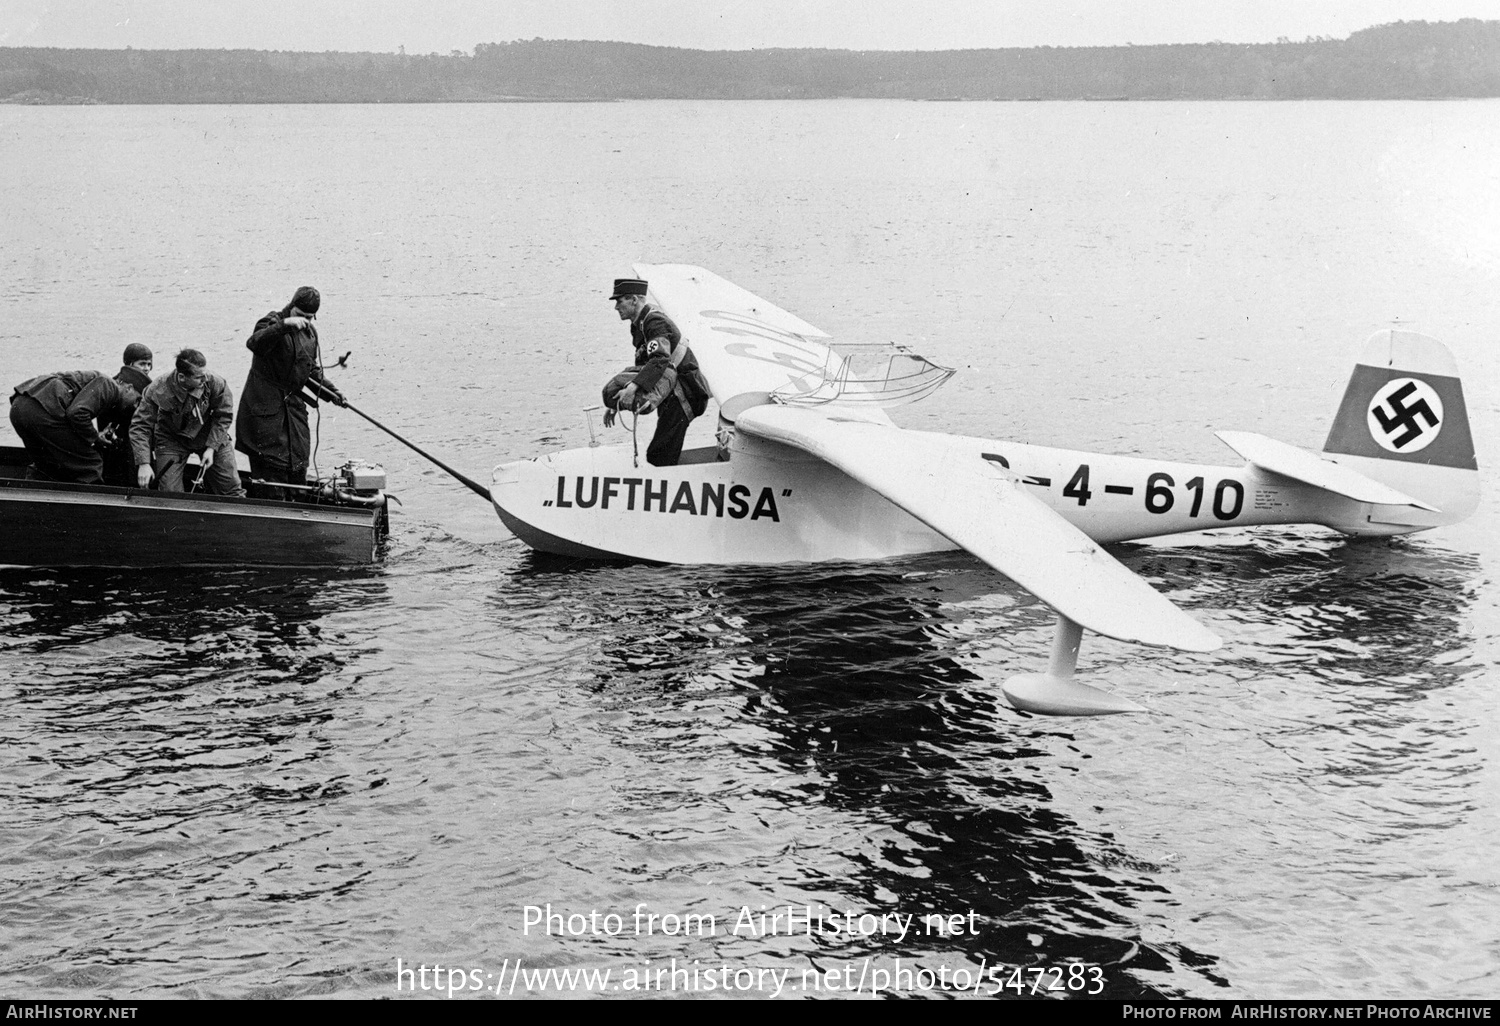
(401, 51)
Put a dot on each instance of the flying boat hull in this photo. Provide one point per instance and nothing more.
(768, 504)
(772, 503)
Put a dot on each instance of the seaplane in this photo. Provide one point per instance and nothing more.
(808, 466)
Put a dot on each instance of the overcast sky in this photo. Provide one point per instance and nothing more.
(427, 26)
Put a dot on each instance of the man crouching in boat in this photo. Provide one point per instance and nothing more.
(54, 416)
(185, 411)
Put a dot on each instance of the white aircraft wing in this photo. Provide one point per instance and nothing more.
(989, 513)
(742, 342)
(1310, 468)
(745, 344)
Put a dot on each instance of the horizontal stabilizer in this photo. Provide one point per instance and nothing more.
(988, 512)
(1310, 468)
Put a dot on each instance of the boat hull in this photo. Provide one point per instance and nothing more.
(52, 524)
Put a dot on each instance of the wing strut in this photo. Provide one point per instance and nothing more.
(1056, 693)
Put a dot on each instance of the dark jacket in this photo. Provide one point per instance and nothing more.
(120, 420)
(119, 459)
(272, 419)
(168, 412)
(656, 337)
(78, 398)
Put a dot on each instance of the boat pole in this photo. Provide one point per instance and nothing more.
(473, 486)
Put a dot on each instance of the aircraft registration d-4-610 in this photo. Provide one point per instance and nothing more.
(809, 467)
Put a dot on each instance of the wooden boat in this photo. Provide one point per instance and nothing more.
(45, 523)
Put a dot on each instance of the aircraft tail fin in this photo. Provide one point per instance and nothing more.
(1403, 422)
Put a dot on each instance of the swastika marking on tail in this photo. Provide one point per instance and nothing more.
(1405, 415)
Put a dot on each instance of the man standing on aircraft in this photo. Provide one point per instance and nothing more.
(271, 427)
(665, 377)
(185, 411)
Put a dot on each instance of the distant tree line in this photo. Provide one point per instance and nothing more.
(1403, 60)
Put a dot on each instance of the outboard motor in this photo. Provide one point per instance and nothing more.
(358, 483)
(360, 480)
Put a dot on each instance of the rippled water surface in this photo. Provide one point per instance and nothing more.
(277, 784)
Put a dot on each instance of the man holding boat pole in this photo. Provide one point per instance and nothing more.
(271, 426)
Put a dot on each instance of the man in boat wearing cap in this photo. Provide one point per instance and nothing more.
(271, 427)
(54, 416)
(665, 377)
(119, 461)
(185, 411)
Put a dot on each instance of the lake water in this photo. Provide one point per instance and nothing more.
(276, 784)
